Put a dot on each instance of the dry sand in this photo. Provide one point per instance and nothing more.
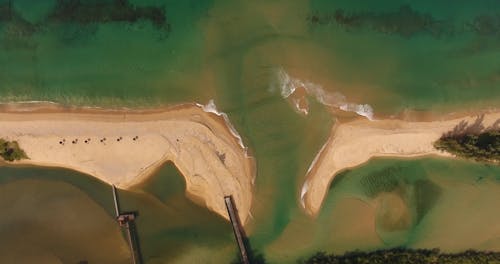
(354, 143)
(202, 145)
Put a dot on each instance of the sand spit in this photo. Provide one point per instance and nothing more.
(125, 147)
(354, 143)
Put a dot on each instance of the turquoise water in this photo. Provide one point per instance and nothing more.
(221, 49)
(228, 51)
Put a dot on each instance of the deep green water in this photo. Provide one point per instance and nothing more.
(428, 56)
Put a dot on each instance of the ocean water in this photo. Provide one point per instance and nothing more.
(391, 55)
(395, 54)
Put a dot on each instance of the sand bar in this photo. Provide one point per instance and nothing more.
(125, 147)
(354, 143)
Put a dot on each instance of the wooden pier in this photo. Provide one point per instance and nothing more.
(239, 233)
(126, 221)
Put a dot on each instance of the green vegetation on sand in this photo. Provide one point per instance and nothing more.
(472, 141)
(10, 150)
(484, 146)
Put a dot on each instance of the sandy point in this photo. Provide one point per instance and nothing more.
(124, 147)
(353, 143)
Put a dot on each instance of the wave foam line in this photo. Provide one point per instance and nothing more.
(210, 107)
(287, 86)
(303, 192)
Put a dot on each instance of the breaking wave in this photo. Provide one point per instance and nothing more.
(210, 107)
(287, 85)
(303, 192)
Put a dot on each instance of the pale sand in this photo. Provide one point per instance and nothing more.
(201, 144)
(353, 143)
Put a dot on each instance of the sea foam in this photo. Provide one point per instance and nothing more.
(287, 86)
(210, 107)
(303, 192)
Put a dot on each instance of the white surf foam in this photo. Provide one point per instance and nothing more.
(287, 85)
(305, 187)
(303, 193)
(210, 107)
(316, 158)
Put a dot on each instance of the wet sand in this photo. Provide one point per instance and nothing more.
(125, 147)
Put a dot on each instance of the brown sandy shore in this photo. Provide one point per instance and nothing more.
(200, 143)
(353, 143)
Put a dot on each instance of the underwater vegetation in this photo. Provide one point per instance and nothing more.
(404, 255)
(406, 22)
(76, 18)
(86, 12)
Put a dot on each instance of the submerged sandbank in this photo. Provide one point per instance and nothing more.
(354, 143)
(124, 147)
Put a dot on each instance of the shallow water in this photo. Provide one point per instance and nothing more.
(430, 200)
(66, 203)
(229, 51)
(439, 199)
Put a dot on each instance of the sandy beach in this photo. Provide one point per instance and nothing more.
(125, 147)
(353, 143)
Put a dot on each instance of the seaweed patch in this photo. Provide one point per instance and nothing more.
(76, 20)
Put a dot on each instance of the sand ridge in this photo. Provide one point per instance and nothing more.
(124, 147)
(353, 143)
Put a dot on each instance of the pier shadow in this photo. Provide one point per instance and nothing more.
(135, 240)
(252, 255)
(127, 223)
(129, 230)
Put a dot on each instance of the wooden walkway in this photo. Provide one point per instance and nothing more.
(239, 233)
(126, 221)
